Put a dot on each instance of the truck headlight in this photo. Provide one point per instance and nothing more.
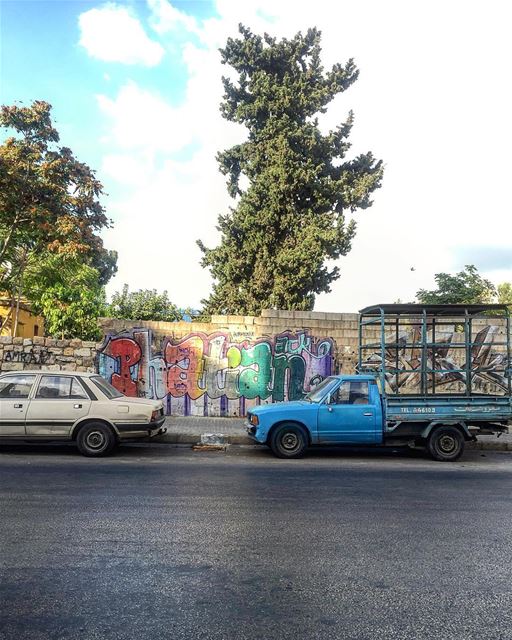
(253, 419)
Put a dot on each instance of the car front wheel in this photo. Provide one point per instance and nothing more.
(95, 439)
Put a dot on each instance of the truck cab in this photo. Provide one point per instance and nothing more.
(343, 409)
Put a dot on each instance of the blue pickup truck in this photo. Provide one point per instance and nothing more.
(459, 395)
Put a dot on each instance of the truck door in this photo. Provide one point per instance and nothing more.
(347, 415)
(14, 393)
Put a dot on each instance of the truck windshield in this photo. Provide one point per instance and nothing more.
(321, 389)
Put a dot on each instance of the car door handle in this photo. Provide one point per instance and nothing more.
(77, 406)
(18, 406)
(367, 413)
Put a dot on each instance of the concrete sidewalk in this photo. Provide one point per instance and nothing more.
(188, 430)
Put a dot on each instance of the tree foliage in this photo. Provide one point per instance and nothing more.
(291, 219)
(145, 304)
(464, 287)
(505, 293)
(49, 202)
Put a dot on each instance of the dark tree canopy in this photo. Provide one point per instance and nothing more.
(464, 287)
(291, 219)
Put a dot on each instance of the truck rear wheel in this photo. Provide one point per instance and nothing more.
(446, 444)
(289, 441)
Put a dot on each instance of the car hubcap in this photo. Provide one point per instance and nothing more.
(95, 440)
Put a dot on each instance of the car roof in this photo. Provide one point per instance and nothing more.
(46, 372)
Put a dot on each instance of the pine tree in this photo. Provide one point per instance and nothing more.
(291, 218)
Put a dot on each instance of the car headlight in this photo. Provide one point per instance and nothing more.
(253, 419)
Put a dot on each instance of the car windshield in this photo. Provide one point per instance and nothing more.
(321, 389)
(106, 388)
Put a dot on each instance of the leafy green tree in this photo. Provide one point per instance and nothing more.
(291, 218)
(465, 287)
(49, 201)
(505, 293)
(145, 304)
(68, 294)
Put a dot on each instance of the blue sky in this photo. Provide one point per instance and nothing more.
(136, 88)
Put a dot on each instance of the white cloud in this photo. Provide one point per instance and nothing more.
(140, 119)
(113, 34)
(166, 18)
(431, 101)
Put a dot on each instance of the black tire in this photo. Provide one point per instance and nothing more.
(289, 441)
(95, 439)
(446, 444)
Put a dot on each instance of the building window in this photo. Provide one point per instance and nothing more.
(36, 329)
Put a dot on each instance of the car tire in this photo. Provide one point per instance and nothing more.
(289, 441)
(95, 439)
(446, 444)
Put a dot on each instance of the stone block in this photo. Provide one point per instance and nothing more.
(55, 350)
(50, 342)
(17, 340)
(6, 339)
(82, 353)
(18, 348)
(68, 351)
(65, 359)
(27, 342)
(53, 367)
(39, 340)
(89, 344)
(75, 343)
(63, 343)
(81, 369)
(12, 366)
(8, 347)
(70, 366)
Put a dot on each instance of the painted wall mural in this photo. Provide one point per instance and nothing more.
(217, 373)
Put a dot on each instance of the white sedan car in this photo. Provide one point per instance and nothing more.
(38, 406)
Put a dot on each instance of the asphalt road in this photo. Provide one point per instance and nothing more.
(159, 542)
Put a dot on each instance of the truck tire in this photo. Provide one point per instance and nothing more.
(446, 444)
(289, 441)
(95, 439)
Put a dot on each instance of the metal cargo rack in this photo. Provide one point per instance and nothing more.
(441, 362)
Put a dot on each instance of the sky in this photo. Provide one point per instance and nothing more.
(136, 87)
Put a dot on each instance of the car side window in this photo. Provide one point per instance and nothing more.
(351, 392)
(60, 387)
(16, 386)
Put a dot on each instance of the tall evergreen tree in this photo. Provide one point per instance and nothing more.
(291, 218)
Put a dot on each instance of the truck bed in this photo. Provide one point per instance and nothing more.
(487, 414)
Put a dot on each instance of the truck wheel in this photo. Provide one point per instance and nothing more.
(446, 444)
(95, 439)
(289, 441)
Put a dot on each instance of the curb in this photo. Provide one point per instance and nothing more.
(241, 439)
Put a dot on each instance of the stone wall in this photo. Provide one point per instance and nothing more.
(225, 366)
(17, 354)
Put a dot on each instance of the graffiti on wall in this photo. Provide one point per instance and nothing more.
(210, 374)
(447, 357)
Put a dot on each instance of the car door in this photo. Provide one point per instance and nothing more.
(347, 416)
(59, 401)
(14, 393)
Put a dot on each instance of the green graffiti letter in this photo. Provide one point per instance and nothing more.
(254, 381)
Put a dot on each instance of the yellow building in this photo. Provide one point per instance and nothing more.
(29, 325)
